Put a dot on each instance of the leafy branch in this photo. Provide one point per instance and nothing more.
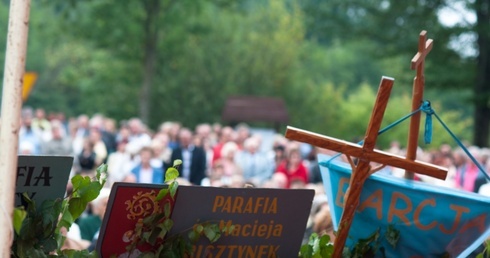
(321, 247)
(486, 251)
(152, 230)
(38, 230)
(317, 247)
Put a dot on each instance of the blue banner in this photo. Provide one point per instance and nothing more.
(433, 221)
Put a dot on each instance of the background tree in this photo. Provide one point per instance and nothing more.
(482, 85)
(180, 60)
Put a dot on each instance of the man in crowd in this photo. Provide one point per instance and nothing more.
(60, 144)
(193, 158)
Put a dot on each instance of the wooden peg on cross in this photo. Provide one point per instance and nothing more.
(365, 153)
(418, 62)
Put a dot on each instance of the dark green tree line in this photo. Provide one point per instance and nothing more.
(179, 60)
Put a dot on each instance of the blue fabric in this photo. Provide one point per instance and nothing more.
(157, 174)
(432, 220)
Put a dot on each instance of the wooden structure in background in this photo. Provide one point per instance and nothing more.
(255, 109)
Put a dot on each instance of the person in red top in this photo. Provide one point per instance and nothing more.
(226, 135)
(293, 167)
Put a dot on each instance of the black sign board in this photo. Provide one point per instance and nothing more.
(42, 177)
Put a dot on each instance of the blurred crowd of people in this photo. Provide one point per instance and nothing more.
(212, 155)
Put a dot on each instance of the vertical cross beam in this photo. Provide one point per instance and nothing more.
(418, 61)
(363, 169)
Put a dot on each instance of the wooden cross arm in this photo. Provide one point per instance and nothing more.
(424, 48)
(355, 150)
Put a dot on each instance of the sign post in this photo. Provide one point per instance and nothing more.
(11, 105)
(365, 154)
(29, 81)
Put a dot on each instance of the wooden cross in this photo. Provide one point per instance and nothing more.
(365, 153)
(417, 95)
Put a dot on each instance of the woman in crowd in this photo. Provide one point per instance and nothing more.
(293, 167)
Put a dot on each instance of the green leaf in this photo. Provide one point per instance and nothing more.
(35, 252)
(155, 232)
(69, 253)
(76, 206)
(229, 230)
(170, 253)
(138, 228)
(19, 216)
(26, 232)
(199, 228)
(79, 181)
(51, 210)
(31, 204)
(212, 232)
(193, 236)
(312, 238)
(161, 194)
(163, 232)
(66, 220)
(316, 245)
(171, 174)
(324, 240)
(159, 251)
(317, 255)
(327, 251)
(102, 173)
(49, 245)
(153, 219)
(367, 245)
(168, 224)
(90, 191)
(306, 251)
(177, 163)
(146, 236)
(182, 247)
(173, 188)
(167, 208)
(392, 235)
(84, 191)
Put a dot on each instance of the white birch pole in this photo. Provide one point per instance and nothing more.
(15, 59)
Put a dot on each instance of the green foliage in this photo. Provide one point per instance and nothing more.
(317, 247)
(486, 252)
(350, 121)
(321, 247)
(38, 229)
(85, 190)
(371, 246)
(364, 247)
(153, 230)
(319, 56)
(227, 53)
(392, 235)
